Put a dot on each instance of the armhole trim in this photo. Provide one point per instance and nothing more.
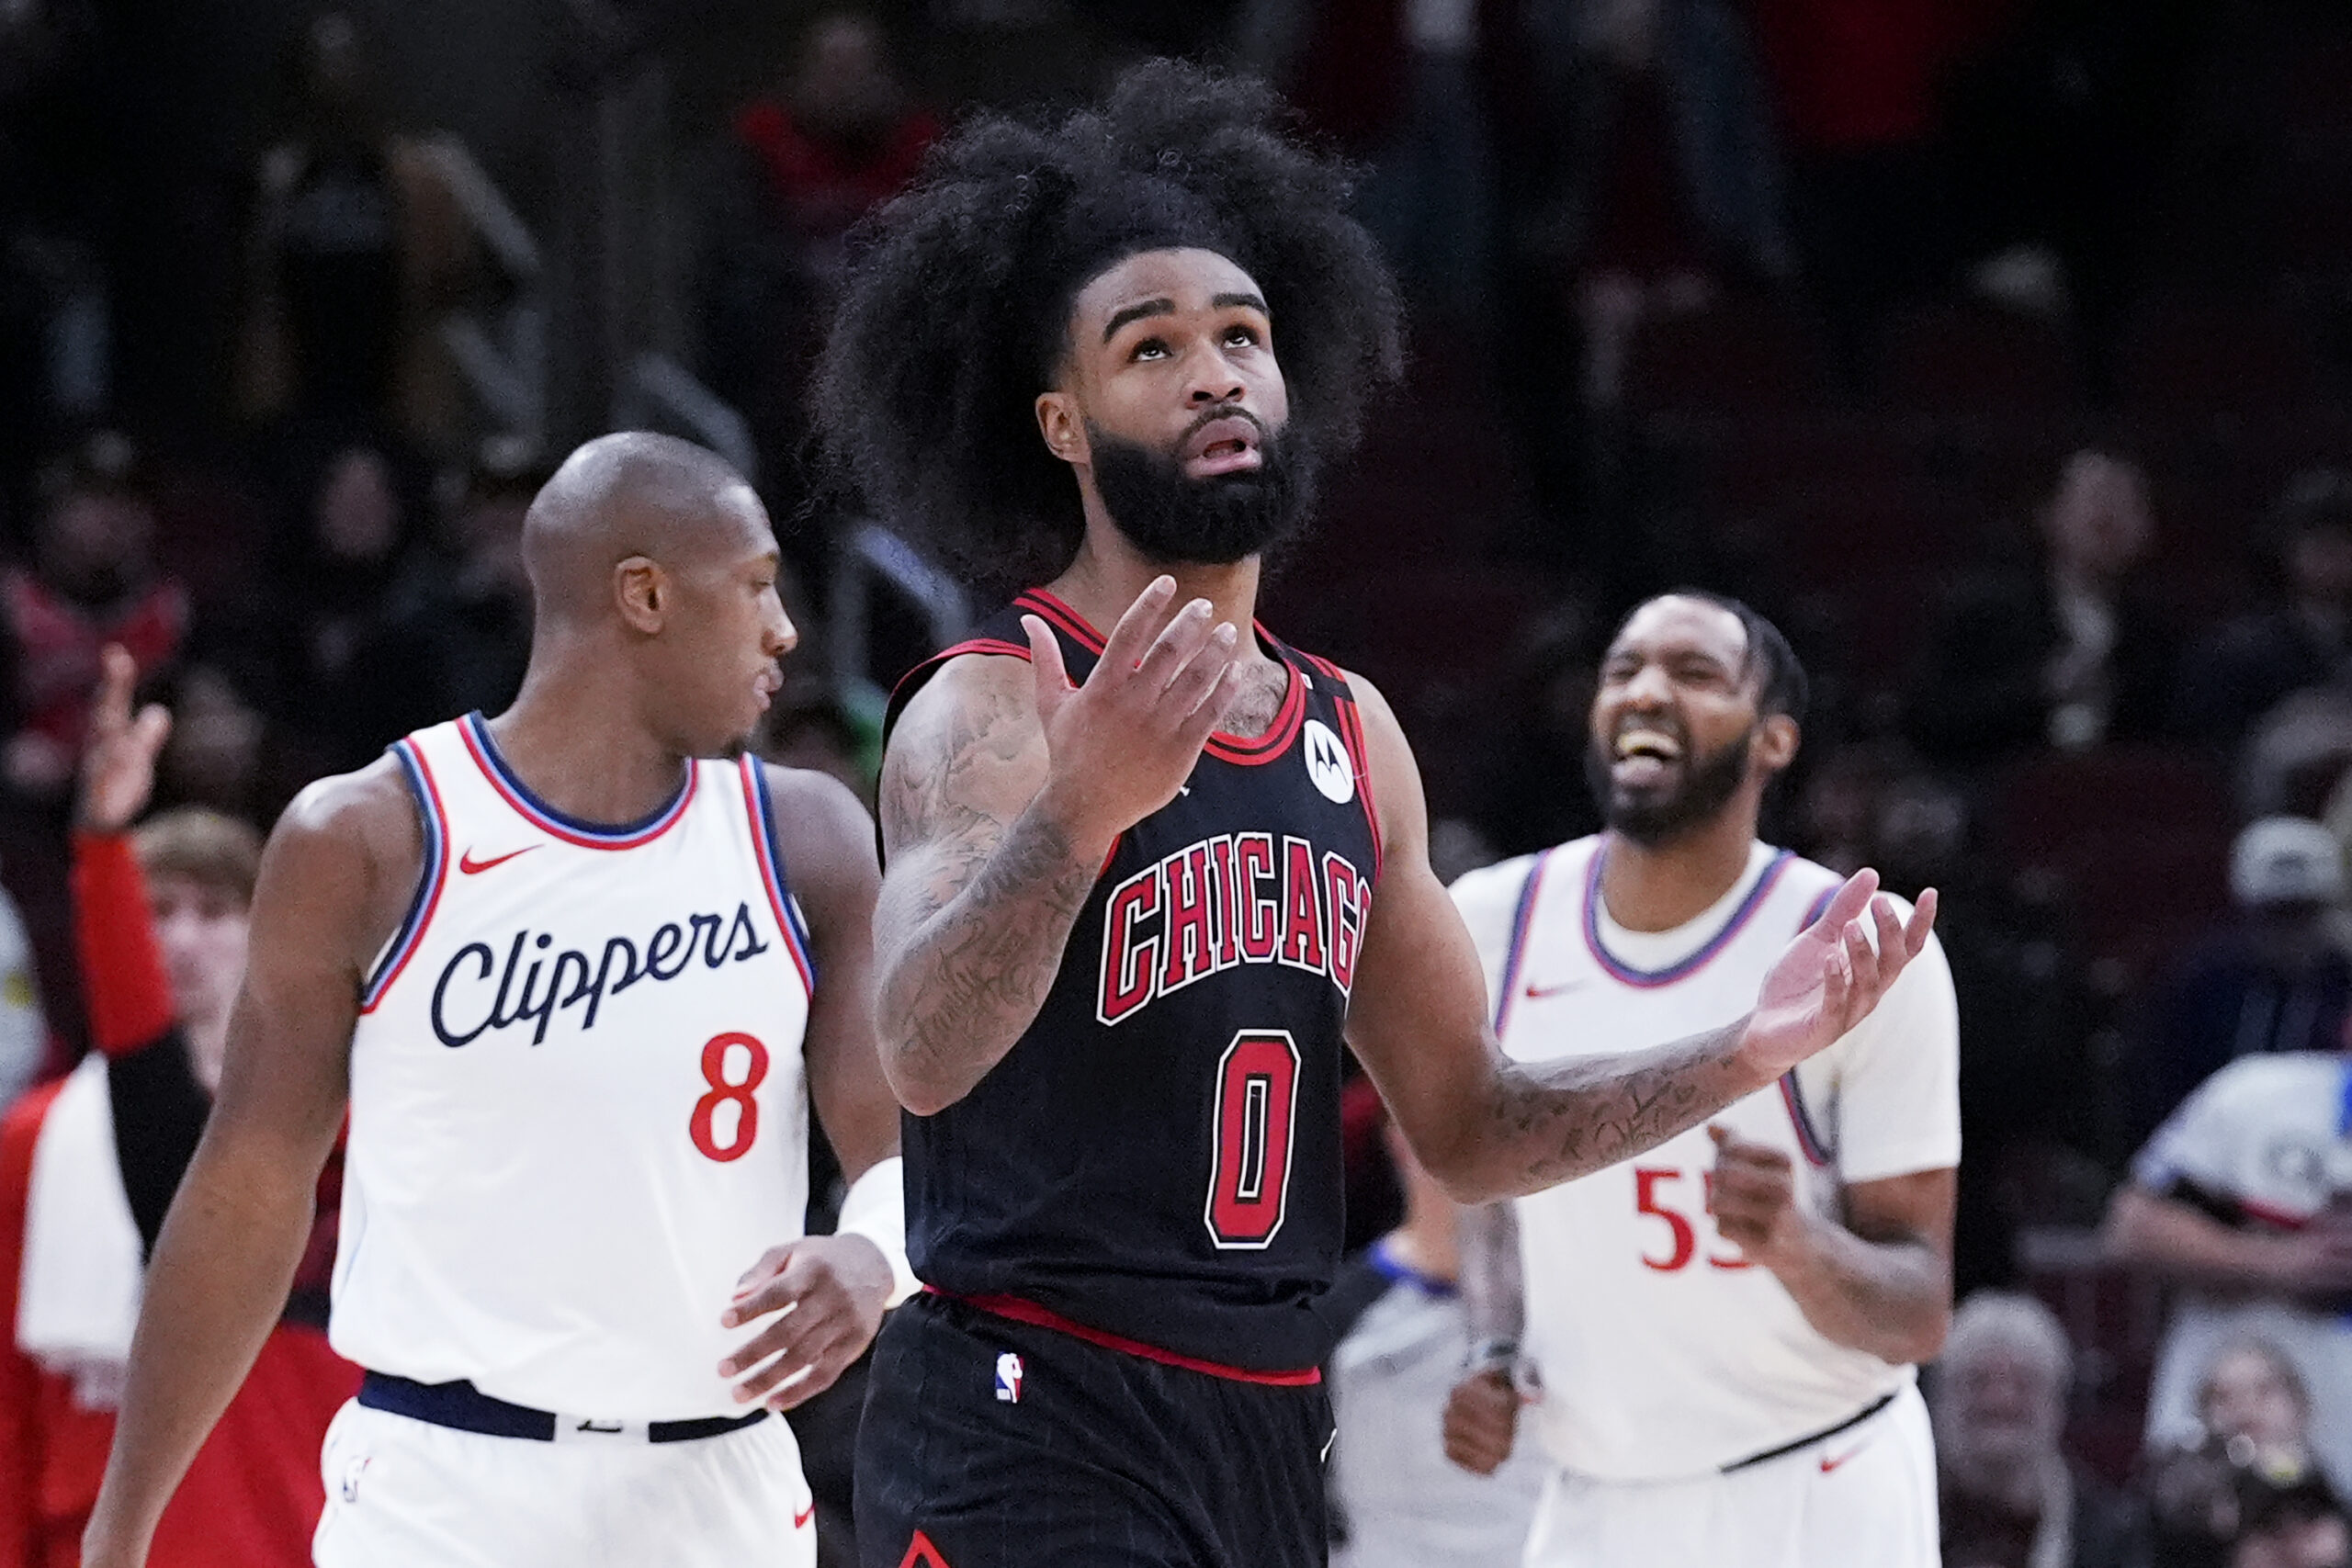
(418, 773)
(1523, 920)
(789, 919)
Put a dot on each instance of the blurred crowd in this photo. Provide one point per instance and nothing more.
(2000, 349)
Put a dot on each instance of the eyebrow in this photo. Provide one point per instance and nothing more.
(1136, 313)
(1167, 308)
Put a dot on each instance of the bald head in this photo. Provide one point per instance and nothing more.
(634, 494)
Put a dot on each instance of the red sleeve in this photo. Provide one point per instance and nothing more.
(20, 1445)
(122, 972)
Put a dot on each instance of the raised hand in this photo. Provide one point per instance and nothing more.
(828, 1293)
(1833, 974)
(118, 758)
(1120, 747)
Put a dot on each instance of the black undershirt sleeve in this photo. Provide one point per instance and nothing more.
(159, 1113)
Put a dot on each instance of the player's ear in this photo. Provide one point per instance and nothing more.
(641, 593)
(1063, 426)
(1775, 742)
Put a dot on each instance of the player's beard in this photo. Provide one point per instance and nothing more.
(1172, 518)
(1653, 816)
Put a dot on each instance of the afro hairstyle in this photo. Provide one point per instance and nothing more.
(954, 311)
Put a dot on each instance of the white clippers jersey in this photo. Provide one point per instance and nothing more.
(1662, 1353)
(577, 1105)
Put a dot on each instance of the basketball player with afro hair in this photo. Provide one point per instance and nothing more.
(1144, 884)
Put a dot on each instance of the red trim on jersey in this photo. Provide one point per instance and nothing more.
(1243, 751)
(1049, 605)
(1028, 1312)
(2272, 1215)
(437, 868)
(493, 768)
(770, 855)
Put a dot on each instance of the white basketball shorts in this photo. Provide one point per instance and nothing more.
(1866, 1495)
(403, 1492)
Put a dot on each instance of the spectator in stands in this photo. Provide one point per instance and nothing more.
(91, 580)
(2242, 671)
(2030, 1098)
(322, 676)
(2245, 1196)
(358, 247)
(458, 628)
(89, 1165)
(24, 1040)
(2010, 1497)
(843, 132)
(1530, 796)
(1859, 88)
(1405, 1336)
(2242, 1485)
(2273, 978)
(2068, 654)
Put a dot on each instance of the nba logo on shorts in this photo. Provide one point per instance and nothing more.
(1008, 1379)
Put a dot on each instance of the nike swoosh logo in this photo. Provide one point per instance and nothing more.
(800, 1519)
(472, 867)
(1829, 1464)
(1536, 993)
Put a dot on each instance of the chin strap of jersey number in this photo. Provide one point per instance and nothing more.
(876, 1208)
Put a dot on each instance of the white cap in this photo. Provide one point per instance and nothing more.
(2286, 860)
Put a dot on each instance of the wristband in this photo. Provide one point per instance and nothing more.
(876, 1208)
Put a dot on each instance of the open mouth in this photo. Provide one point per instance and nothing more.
(1223, 446)
(1643, 754)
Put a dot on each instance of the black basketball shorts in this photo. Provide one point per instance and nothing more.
(989, 1443)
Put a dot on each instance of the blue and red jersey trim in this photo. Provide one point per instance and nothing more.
(1816, 1147)
(428, 897)
(762, 807)
(559, 824)
(1626, 974)
(1515, 958)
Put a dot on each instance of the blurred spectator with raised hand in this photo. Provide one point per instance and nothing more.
(2010, 1497)
(89, 1165)
(2244, 1196)
(1405, 1334)
(91, 580)
(2272, 977)
(358, 247)
(2067, 653)
(2303, 638)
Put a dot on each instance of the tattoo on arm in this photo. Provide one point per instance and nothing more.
(1565, 1119)
(982, 911)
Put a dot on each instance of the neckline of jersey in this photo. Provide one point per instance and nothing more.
(1707, 950)
(1249, 750)
(571, 829)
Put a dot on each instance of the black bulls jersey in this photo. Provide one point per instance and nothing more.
(1157, 1157)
